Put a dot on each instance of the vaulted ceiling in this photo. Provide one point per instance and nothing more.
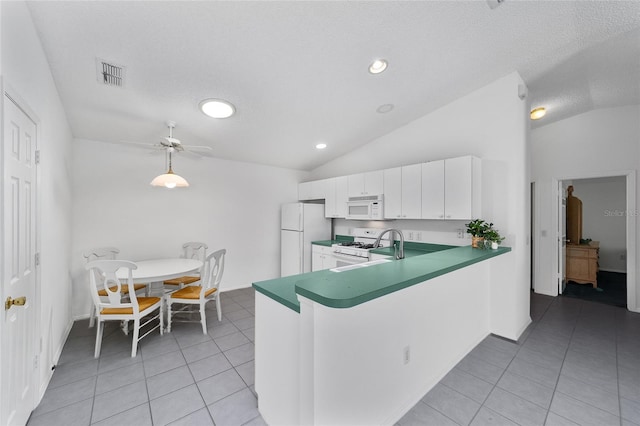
(297, 72)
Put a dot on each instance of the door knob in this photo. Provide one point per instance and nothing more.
(18, 301)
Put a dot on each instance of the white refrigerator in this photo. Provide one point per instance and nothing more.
(301, 223)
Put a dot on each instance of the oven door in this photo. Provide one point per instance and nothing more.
(345, 259)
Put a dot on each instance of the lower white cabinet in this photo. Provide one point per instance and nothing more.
(376, 256)
(322, 258)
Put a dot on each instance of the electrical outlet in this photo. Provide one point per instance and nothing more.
(623, 256)
(460, 233)
(418, 236)
(410, 237)
(407, 354)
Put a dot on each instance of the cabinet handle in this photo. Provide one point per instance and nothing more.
(404, 215)
(441, 215)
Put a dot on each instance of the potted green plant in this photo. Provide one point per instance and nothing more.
(493, 237)
(477, 228)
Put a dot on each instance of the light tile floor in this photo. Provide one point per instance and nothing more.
(578, 363)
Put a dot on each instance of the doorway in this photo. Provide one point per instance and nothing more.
(597, 263)
(19, 289)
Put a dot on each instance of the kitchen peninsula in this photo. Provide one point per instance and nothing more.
(362, 346)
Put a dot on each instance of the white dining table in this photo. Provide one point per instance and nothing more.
(158, 270)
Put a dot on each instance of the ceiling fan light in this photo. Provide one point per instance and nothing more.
(217, 108)
(170, 180)
(378, 66)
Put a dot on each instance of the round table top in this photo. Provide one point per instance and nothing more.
(154, 270)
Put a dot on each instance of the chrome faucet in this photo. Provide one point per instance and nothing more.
(400, 253)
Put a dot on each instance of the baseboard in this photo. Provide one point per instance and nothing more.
(53, 362)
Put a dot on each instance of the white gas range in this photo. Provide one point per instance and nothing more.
(357, 251)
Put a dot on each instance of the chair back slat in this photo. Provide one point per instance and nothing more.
(194, 250)
(101, 253)
(103, 274)
(213, 270)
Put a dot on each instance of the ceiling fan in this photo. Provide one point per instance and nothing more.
(169, 144)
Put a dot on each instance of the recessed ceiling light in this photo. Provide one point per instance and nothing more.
(383, 109)
(217, 108)
(321, 146)
(538, 113)
(378, 66)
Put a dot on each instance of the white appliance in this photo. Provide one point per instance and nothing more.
(366, 207)
(301, 223)
(357, 251)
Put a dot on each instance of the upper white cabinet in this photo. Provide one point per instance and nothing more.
(335, 204)
(451, 188)
(403, 192)
(369, 183)
(314, 190)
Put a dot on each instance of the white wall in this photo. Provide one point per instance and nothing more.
(26, 71)
(229, 204)
(603, 218)
(492, 124)
(598, 143)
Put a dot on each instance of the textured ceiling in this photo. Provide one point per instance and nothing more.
(297, 71)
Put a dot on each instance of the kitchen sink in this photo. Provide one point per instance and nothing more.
(359, 265)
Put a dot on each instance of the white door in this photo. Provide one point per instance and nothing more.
(562, 239)
(18, 362)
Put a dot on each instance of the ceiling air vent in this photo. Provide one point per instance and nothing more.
(110, 74)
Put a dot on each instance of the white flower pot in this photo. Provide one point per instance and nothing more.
(494, 245)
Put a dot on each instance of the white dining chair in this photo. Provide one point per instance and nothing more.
(190, 250)
(208, 290)
(117, 306)
(104, 253)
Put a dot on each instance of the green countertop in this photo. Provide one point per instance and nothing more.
(350, 288)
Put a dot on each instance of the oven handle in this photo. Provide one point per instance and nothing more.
(349, 257)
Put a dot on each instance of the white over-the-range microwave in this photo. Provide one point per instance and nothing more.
(365, 207)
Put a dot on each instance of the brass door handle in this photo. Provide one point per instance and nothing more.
(18, 301)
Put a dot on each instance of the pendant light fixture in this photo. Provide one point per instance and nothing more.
(170, 180)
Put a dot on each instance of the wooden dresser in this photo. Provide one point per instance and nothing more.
(582, 263)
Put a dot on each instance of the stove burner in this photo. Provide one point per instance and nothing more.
(356, 244)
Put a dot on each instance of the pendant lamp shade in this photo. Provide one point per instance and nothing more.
(170, 180)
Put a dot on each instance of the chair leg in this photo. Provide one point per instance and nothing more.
(136, 333)
(100, 327)
(169, 315)
(203, 318)
(218, 308)
(160, 317)
(92, 316)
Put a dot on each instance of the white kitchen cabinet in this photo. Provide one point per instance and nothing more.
(403, 192)
(369, 183)
(322, 258)
(451, 188)
(433, 190)
(336, 197)
(313, 190)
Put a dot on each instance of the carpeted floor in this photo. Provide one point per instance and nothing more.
(612, 289)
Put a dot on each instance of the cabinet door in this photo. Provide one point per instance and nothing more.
(316, 260)
(342, 196)
(393, 193)
(411, 191)
(374, 183)
(433, 190)
(356, 185)
(305, 191)
(330, 205)
(458, 175)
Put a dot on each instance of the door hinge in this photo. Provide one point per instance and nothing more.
(37, 156)
(35, 362)
(37, 259)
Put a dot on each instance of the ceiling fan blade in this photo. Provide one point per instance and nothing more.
(198, 148)
(190, 154)
(139, 145)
